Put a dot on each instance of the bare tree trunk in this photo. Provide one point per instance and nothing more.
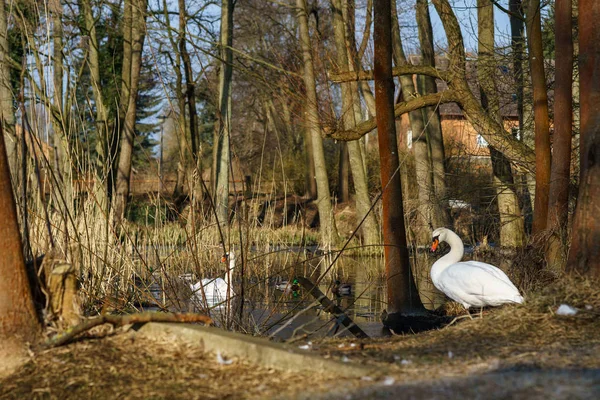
(512, 232)
(435, 140)
(19, 324)
(343, 174)
(180, 124)
(584, 255)
(138, 31)
(190, 87)
(402, 294)
(60, 118)
(6, 95)
(329, 234)
(344, 41)
(224, 135)
(542, 121)
(563, 129)
(419, 140)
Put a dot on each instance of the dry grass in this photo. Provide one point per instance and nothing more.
(529, 335)
(526, 338)
(134, 367)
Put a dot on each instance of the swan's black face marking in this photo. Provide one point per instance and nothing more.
(225, 257)
(435, 244)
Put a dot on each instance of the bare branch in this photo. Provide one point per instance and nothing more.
(447, 96)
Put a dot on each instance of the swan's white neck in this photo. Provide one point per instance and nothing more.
(457, 250)
(230, 271)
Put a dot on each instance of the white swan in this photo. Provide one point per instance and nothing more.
(471, 283)
(216, 290)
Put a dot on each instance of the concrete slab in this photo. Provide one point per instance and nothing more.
(254, 349)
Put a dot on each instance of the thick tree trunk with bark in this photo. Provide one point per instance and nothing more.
(540, 112)
(402, 294)
(563, 129)
(19, 324)
(584, 255)
(512, 228)
(435, 141)
(222, 145)
(343, 174)
(327, 222)
(138, 34)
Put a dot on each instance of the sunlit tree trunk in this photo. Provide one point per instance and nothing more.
(402, 294)
(435, 141)
(563, 130)
(6, 95)
(540, 112)
(419, 143)
(19, 324)
(138, 32)
(584, 254)
(512, 231)
(327, 223)
(222, 155)
(344, 40)
(343, 174)
(60, 119)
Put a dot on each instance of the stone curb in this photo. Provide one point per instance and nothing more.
(253, 349)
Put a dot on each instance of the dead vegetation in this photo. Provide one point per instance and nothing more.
(529, 339)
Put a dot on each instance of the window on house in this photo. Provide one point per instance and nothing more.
(481, 142)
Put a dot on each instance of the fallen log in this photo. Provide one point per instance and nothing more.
(121, 320)
(330, 307)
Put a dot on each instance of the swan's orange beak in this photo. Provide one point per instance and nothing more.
(224, 259)
(435, 244)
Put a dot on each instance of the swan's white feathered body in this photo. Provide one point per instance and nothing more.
(216, 290)
(471, 283)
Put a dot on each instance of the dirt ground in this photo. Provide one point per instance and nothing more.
(525, 351)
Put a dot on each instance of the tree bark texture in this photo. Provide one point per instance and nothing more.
(541, 118)
(584, 254)
(18, 320)
(6, 95)
(425, 219)
(138, 33)
(402, 294)
(344, 42)
(326, 220)
(512, 228)
(222, 144)
(435, 140)
(563, 119)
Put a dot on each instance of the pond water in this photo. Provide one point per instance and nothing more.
(265, 310)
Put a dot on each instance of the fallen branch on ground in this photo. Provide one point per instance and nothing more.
(121, 320)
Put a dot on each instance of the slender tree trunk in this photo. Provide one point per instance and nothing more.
(138, 31)
(225, 74)
(584, 255)
(19, 324)
(402, 294)
(180, 122)
(542, 121)
(6, 95)
(561, 148)
(329, 234)
(344, 42)
(190, 87)
(419, 143)
(427, 85)
(512, 232)
(343, 174)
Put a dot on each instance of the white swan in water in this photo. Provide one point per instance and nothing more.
(471, 283)
(216, 290)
